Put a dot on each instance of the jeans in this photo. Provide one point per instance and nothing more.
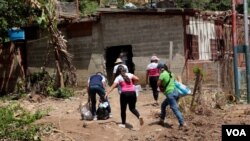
(92, 93)
(171, 99)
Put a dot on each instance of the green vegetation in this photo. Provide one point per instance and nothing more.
(43, 83)
(20, 13)
(14, 13)
(88, 7)
(16, 123)
(205, 4)
(198, 71)
(60, 93)
(214, 5)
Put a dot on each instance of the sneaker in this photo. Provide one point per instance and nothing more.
(110, 115)
(122, 125)
(141, 120)
(161, 122)
(95, 118)
(183, 126)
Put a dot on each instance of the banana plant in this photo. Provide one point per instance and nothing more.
(48, 20)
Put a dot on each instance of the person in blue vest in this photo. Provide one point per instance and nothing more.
(96, 85)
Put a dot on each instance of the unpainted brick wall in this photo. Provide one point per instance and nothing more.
(147, 34)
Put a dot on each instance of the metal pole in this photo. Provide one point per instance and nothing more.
(247, 50)
(235, 56)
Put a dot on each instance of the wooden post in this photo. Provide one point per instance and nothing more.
(170, 54)
(197, 86)
(59, 70)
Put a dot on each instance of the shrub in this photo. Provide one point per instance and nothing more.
(16, 123)
(60, 93)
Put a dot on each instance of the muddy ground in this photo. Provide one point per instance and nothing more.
(64, 123)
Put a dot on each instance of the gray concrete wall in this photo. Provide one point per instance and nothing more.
(37, 51)
(148, 34)
(87, 52)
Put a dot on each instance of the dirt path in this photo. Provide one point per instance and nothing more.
(66, 123)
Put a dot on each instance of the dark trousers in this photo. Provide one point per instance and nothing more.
(153, 84)
(130, 99)
(93, 90)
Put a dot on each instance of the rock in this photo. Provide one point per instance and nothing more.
(69, 111)
(36, 97)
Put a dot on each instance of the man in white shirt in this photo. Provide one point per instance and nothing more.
(117, 63)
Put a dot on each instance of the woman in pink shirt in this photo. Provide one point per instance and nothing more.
(128, 93)
(152, 75)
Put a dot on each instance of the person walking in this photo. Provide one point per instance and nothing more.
(128, 93)
(166, 84)
(96, 85)
(118, 62)
(152, 75)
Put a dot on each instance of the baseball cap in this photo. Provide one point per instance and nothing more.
(160, 65)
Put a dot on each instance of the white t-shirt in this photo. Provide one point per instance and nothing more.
(152, 69)
(116, 66)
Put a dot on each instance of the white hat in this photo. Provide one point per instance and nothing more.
(155, 58)
(118, 60)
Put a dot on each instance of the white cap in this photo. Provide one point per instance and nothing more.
(155, 58)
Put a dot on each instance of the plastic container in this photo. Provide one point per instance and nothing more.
(138, 89)
(16, 34)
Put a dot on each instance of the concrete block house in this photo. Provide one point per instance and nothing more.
(180, 37)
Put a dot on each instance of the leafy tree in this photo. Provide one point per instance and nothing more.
(19, 13)
(14, 13)
(214, 5)
(205, 4)
(240, 8)
(219, 5)
(48, 20)
(88, 7)
(42, 12)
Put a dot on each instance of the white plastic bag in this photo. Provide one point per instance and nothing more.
(85, 112)
(103, 104)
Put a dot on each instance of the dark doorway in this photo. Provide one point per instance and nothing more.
(112, 53)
